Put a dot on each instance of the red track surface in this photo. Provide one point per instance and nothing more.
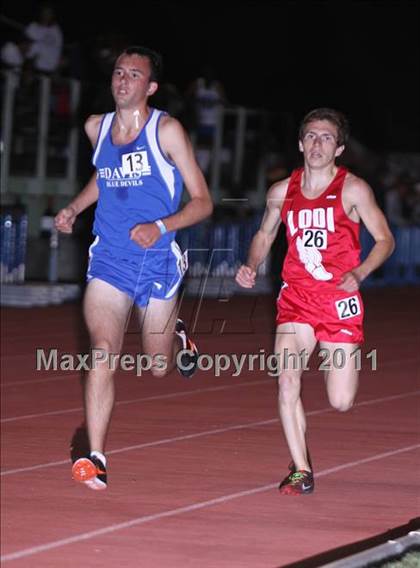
(194, 465)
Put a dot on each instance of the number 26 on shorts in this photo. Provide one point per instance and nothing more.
(348, 307)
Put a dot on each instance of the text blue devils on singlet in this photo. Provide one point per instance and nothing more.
(137, 184)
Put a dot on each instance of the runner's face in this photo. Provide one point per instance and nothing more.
(319, 143)
(131, 83)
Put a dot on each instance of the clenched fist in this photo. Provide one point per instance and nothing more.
(145, 234)
(64, 220)
(245, 276)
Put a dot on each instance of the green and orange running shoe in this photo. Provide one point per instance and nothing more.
(188, 358)
(298, 482)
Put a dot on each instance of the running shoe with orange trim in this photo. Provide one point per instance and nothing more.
(90, 471)
(188, 361)
(298, 482)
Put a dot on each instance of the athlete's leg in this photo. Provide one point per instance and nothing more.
(294, 345)
(342, 376)
(157, 322)
(106, 311)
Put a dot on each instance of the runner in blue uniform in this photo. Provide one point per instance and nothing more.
(143, 158)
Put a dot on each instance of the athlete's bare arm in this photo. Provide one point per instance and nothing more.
(359, 203)
(264, 237)
(66, 217)
(177, 147)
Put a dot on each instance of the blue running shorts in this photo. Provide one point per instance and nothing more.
(157, 273)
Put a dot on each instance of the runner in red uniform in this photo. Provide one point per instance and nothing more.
(321, 205)
(323, 245)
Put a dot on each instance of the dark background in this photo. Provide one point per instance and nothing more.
(361, 56)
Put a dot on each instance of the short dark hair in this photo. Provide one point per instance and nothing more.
(334, 116)
(154, 57)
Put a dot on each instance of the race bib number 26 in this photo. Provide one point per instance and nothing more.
(348, 308)
(316, 238)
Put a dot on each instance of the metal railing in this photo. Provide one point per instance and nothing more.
(26, 138)
(237, 152)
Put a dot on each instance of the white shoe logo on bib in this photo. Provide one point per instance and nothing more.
(312, 259)
(315, 225)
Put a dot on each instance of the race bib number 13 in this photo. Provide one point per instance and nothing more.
(135, 163)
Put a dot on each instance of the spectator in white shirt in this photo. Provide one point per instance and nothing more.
(47, 41)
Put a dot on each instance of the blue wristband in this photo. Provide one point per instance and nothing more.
(161, 226)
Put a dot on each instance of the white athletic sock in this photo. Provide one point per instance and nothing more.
(183, 338)
(99, 455)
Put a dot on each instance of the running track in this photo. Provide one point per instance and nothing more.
(194, 465)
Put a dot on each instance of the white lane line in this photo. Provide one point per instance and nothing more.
(57, 378)
(186, 509)
(205, 433)
(183, 393)
(69, 374)
(147, 445)
(141, 399)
